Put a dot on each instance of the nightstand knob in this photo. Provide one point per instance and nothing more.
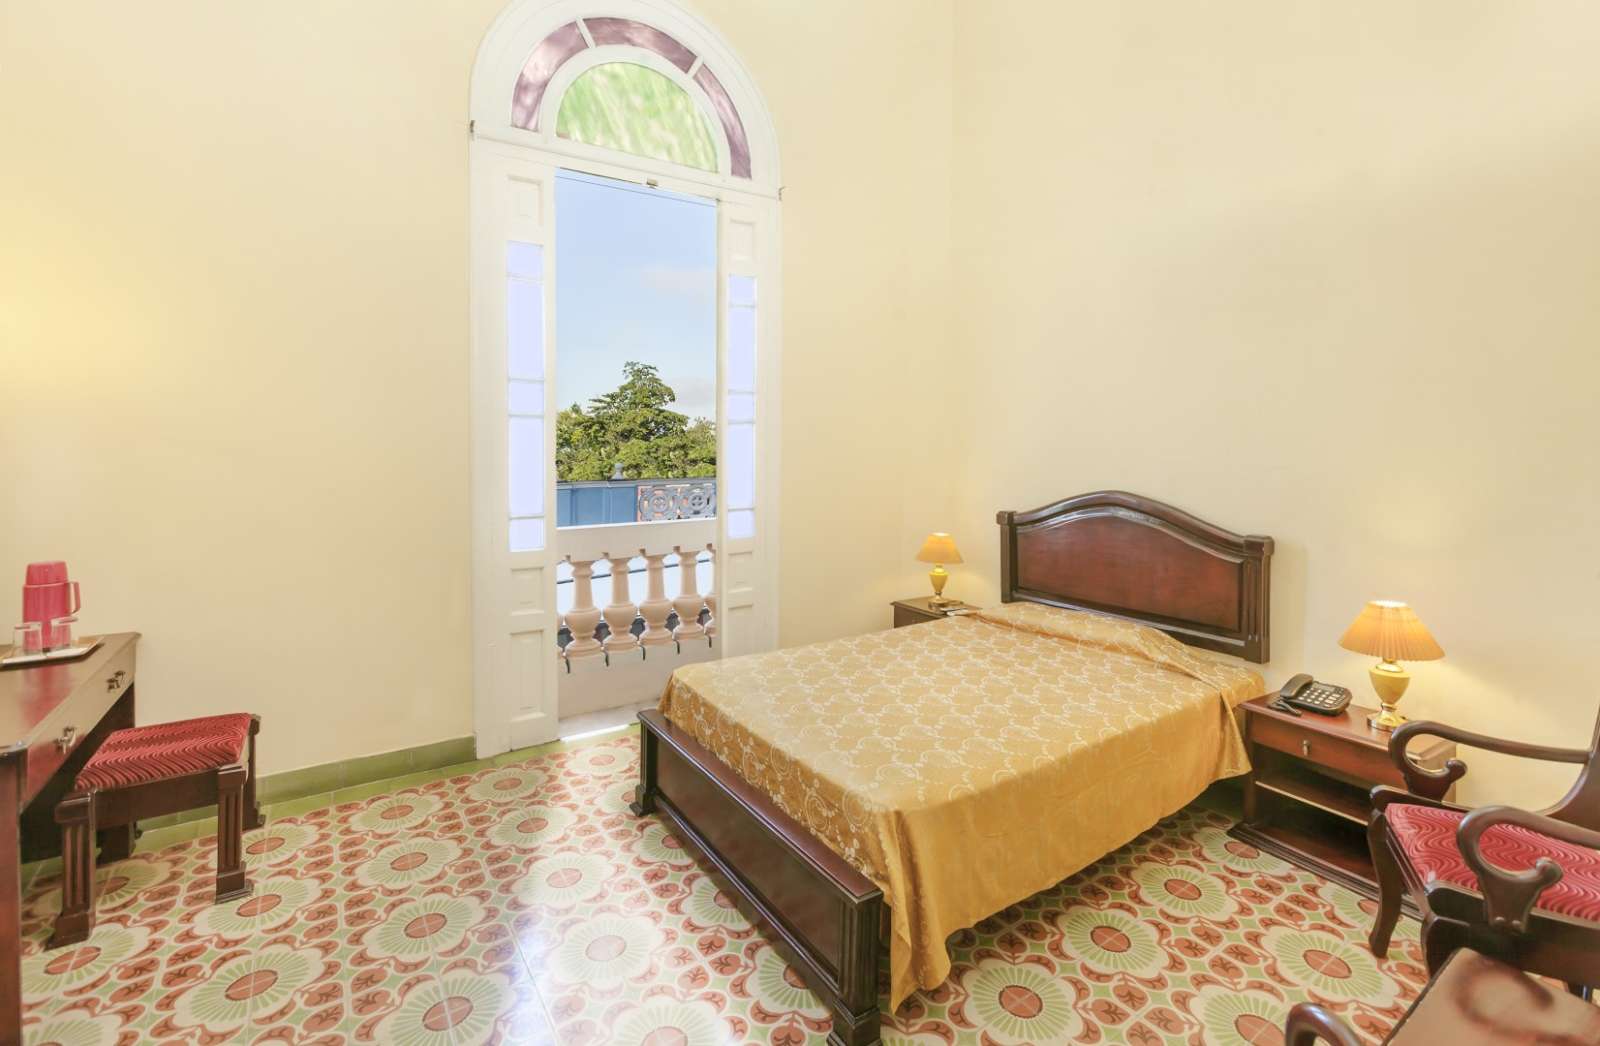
(1305, 747)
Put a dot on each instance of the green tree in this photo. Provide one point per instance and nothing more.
(633, 427)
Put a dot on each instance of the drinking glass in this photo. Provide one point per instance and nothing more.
(60, 636)
(27, 638)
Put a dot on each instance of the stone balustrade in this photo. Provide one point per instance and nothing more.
(624, 627)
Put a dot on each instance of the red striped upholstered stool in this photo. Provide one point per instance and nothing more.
(151, 771)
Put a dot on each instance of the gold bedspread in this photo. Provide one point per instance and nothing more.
(965, 764)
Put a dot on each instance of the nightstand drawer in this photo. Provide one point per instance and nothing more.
(917, 611)
(1357, 760)
(904, 616)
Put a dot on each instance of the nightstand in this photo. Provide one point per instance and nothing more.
(916, 611)
(1305, 798)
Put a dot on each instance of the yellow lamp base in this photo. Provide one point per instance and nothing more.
(1390, 681)
(939, 575)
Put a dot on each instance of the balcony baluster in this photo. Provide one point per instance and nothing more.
(620, 613)
(688, 601)
(656, 607)
(584, 617)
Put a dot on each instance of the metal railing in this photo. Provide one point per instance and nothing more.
(590, 503)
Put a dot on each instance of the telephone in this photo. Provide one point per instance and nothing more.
(1304, 692)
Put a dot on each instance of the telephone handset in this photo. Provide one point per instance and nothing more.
(1304, 692)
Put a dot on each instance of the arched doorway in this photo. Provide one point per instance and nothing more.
(642, 92)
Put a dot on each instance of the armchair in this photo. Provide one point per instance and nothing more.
(1473, 1001)
(1519, 886)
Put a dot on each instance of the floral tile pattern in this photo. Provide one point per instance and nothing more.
(524, 904)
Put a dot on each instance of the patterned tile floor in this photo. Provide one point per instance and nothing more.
(523, 904)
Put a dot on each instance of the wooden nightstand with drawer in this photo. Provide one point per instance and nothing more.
(1305, 799)
(916, 611)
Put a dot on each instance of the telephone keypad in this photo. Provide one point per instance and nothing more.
(1320, 695)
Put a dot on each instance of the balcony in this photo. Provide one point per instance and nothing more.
(648, 545)
(639, 602)
(598, 502)
(620, 650)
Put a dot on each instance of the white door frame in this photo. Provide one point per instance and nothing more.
(515, 660)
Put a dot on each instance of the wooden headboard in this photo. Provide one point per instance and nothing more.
(1122, 554)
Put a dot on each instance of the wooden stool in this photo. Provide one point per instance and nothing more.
(151, 771)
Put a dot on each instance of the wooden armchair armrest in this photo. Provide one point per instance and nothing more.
(1508, 896)
(1309, 1022)
(1433, 784)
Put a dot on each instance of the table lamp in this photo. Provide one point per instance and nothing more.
(1390, 631)
(938, 549)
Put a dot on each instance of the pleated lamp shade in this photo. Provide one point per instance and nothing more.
(1392, 631)
(939, 548)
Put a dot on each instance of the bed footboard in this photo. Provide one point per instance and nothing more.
(822, 914)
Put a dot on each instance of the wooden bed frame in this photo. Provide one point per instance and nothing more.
(1109, 552)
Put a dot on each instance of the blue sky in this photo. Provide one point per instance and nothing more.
(636, 272)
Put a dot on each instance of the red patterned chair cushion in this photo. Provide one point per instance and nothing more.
(1428, 837)
(142, 754)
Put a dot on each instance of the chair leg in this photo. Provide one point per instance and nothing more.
(231, 883)
(1390, 885)
(117, 843)
(74, 922)
(1440, 940)
(252, 808)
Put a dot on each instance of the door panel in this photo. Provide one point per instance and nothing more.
(747, 428)
(514, 621)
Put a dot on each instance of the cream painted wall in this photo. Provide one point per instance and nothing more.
(1326, 272)
(1217, 256)
(233, 310)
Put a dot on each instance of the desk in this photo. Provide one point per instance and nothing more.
(52, 719)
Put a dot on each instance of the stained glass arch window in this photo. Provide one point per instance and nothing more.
(628, 106)
(634, 109)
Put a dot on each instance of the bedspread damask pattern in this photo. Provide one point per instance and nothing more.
(965, 764)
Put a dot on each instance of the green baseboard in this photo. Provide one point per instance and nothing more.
(300, 792)
(333, 778)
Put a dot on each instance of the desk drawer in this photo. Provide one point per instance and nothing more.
(1359, 761)
(70, 724)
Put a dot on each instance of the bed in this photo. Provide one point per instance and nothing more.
(896, 787)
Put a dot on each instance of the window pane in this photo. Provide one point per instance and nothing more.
(634, 109)
(525, 397)
(636, 353)
(741, 407)
(740, 470)
(525, 260)
(742, 349)
(741, 290)
(741, 524)
(527, 535)
(525, 329)
(526, 465)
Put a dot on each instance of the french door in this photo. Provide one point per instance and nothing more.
(515, 545)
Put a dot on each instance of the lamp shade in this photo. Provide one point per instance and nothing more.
(1392, 631)
(938, 548)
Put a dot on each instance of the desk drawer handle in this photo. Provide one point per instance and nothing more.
(1305, 747)
(68, 736)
